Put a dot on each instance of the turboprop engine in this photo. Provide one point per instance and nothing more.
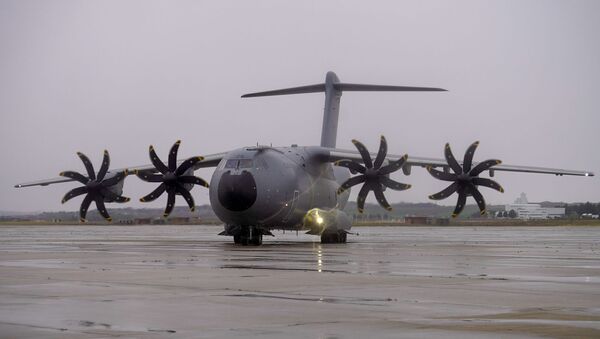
(319, 221)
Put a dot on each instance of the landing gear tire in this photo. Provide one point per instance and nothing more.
(249, 236)
(333, 238)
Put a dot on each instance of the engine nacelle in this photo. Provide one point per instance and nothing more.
(318, 220)
(116, 188)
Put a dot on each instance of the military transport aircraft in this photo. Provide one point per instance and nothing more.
(254, 190)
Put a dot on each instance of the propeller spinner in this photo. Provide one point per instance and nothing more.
(174, 180)
(465, 179)
(96, 187)
(374, 176)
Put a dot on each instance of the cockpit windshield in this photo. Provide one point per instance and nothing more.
(239, 163)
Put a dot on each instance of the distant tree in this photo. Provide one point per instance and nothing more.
(504, 214)
(512, 214)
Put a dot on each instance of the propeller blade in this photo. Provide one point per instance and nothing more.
(393, 184)
(468, 160)
(484, 165)
(478, 198)
(75, 176)
(351, 165)
(113, 196)
(351, 182)
(381, 198)
(393, 166)
(187, 164)
(158, 164)
(114, 180)
(154, 194)
(441, 175)
(364, 153)
(452, 160)
(101, 208)
(488, 183)
(362, 196)
(170, 203)
(149, 176)
(187, 196)
(190, 179)
(104, 167)
(460, 203)
(446, 192)
(88, 165)
(381, 153)
(73, 193)
(85, 204)
(173, 156)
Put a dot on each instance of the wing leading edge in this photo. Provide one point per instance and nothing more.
(340, 154)
(211, 160)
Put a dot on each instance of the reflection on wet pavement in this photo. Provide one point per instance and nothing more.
(157, 281)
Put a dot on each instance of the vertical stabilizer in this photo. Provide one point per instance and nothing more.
(331, 111)
(333, 89)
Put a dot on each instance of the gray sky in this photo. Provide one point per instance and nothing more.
(88, 75)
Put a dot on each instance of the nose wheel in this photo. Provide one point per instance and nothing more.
(338, 237)
(249, 236)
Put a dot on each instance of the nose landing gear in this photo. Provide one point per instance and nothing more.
(336, 237)
(248, 235)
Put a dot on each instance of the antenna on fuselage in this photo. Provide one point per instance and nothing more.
(333, 89)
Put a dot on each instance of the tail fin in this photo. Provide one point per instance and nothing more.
(333, 89)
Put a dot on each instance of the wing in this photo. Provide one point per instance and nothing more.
(339, 154)
(211, 160)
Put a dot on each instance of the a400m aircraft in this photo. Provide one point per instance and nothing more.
(254, 190)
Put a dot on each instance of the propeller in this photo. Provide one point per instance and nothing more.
(174, 180)
(465, 179)
(96, 186)
(374, 176)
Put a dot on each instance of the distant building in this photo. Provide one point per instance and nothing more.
(526, 210)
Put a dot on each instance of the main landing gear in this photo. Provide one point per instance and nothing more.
(338, 237)
(248, 236)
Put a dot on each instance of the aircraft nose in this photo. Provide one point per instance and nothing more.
(237, 192)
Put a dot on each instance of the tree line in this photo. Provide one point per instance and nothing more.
(581, 208)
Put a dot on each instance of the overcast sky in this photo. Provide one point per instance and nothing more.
(88, 75)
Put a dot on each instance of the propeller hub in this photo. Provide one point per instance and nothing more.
(464, 177)
(170, 177)
(92, 185)
(371, 174)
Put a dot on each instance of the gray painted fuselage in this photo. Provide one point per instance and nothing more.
(287, 181)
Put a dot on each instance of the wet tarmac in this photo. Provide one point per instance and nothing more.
(389, 282)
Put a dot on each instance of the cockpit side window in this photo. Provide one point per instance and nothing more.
(245, 163)
(261, 163)
(231, 163)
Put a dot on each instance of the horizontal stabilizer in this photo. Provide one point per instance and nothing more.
(343, 87)
(382, 88)
(333, 89)
(294, 90)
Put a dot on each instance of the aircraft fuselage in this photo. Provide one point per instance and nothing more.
(274, 188)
